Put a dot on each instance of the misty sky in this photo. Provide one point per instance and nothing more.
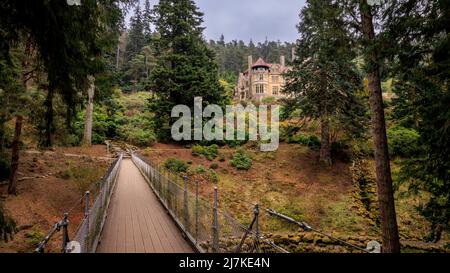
(250, 19)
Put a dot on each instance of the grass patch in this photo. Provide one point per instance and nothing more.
(83, 177)
(34, 237)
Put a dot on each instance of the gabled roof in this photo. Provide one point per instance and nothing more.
(260, 62)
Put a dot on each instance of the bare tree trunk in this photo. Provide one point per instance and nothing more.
(15, 147)
(325, 150)
(118, 55)
(49, 118)
(12, 187)
(87, 138)
(389, 227)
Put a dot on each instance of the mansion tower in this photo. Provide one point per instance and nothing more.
(261, 80)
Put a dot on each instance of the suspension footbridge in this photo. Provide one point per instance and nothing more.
(140, 207)
(137, 222)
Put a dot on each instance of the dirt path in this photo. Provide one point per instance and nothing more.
(32, 152)
(137, 222)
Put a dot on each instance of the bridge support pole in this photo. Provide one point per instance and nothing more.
(215, 224)
(186, 204)
(196, 211)
(256, 214)
(86, 216)
(65, 237)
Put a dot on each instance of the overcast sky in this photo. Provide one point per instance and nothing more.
(250, 19)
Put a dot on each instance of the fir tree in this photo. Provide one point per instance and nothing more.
(324, 80)
(419, 38)
(147, 20)
(136, 38)
(186, 67)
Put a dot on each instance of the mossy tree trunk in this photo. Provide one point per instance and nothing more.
(391, 243)
(12, 187)
(87, 138)
(325, 147)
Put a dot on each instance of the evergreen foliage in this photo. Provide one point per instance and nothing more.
(241, 161)
(419, 35)
(324, 80)
(186, 68)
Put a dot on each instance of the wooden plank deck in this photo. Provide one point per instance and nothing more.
(136, 221)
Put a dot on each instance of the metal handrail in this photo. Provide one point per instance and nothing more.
(107, 184)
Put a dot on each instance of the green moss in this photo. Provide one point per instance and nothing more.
(34, 237)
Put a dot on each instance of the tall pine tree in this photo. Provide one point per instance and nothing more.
(147, 20)
(186, 67)
(419, 38)
(136, 38)
(323, 81)
(369, 13)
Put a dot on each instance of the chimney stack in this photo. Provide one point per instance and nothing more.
(283, 60)
(293, 53)
(250, 63)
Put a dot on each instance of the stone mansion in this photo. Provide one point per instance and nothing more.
(261, 80)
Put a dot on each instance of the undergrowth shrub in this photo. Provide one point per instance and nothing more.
(313, 142)
(213, 176)
(5, 167)
(402, 141)
(241, 161)
(7, 226)
(176, 165)
(209, 152)
(84, 177)
(200, 169)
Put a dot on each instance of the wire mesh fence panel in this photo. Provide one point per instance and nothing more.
(230, 233)
(81, 234)
(203, 226)
(206, 224)
(90, 229)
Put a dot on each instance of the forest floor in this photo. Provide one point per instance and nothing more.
(50, 184)
(291, 181)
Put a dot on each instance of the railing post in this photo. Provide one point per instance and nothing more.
(186, 204)
(65, 237)
(215, 224)
(256, 214)
(86, 217)
(196, 211)
(168, 192)
(100, 191)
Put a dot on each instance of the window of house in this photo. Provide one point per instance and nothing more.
(259, 88)
(275, 79)
(275, 90)
(261, 77)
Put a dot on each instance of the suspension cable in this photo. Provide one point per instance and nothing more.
(307, 227)
(302, 225)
